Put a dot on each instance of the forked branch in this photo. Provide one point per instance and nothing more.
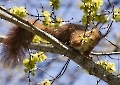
(74, 55)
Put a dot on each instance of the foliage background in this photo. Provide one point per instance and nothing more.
(73, 75)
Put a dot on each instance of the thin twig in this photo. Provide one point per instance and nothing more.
(101, 54)
(77, 57)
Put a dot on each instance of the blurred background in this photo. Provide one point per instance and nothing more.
(74, 75)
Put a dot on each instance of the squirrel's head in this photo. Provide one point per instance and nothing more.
(85, 41)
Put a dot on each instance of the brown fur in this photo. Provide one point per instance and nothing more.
(18, 40)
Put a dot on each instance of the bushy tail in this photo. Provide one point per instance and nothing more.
(15, 45)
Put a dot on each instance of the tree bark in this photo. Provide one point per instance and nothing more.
(74, 55)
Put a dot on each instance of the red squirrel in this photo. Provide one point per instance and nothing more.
(18, 40)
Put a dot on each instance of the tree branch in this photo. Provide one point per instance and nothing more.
(74, 55)
(101, 54)
(53, 49)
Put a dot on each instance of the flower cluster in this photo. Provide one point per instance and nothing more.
(19, 11)
(38, 39)
(116, 15)
(30, 64)
(90, 8)
(110, 67)
(48, 21)
(55, 4)
(45, 82)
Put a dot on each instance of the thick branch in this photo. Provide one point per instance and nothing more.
(39, 46)
(74, 55)
(53, 49)
(45, 48)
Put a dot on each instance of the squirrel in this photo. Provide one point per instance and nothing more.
(75, 35)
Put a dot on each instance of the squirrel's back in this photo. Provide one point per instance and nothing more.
(18, 40)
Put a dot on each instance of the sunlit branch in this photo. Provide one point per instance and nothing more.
(53, 49)
(108, 53)
(81, 60)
